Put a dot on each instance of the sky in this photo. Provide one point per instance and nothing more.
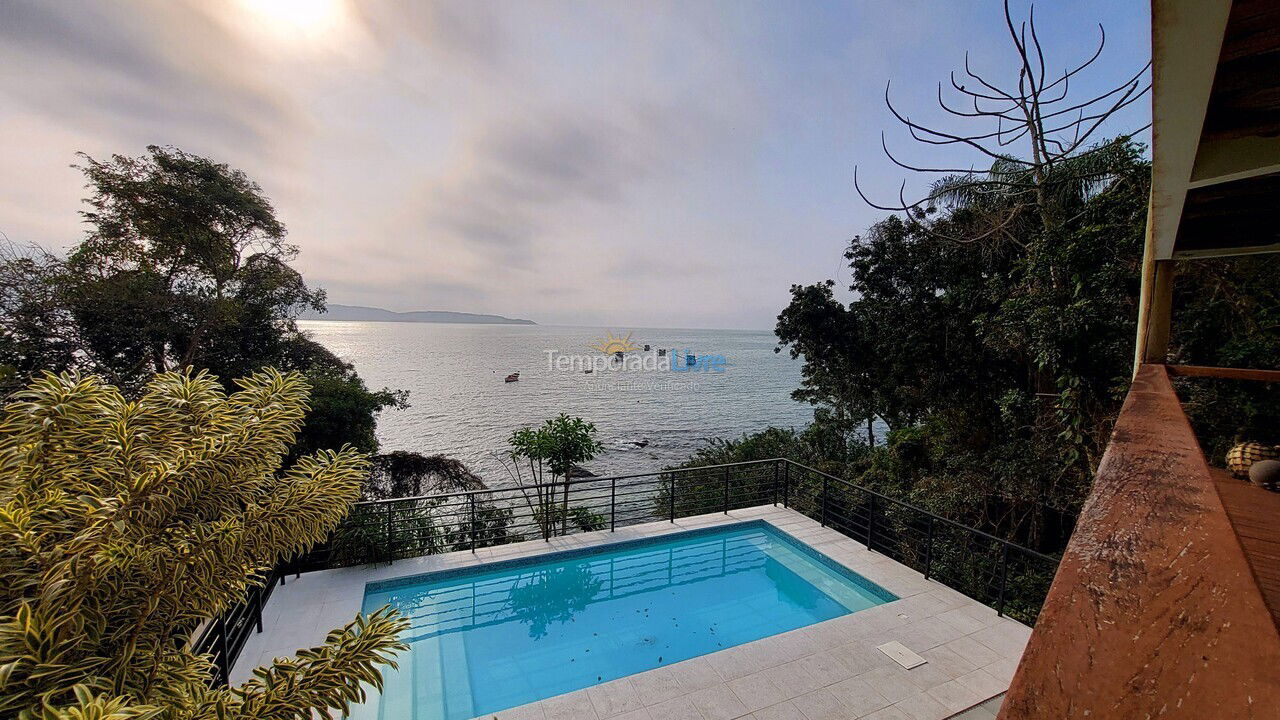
(606, 163)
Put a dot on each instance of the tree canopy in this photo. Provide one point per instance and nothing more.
(996, 363)
(999, 367)
(184, 264)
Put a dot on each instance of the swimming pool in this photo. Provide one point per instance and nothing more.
(488, 638)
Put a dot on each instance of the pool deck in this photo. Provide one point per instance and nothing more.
(831, 670)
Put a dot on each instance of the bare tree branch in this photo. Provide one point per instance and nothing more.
(1059, 163)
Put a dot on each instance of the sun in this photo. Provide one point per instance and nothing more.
(614, 344)
(297, 17)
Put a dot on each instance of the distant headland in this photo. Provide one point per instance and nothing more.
(372, 314)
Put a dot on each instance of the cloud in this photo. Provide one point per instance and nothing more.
(142, 74)
(611, 163)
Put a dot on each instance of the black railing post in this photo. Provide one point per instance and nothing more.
(776, 463)
(1004, 575)
(786, 485)
(391, 552)
(472, 530)
(825, 486)
(257, 609)
(928, 551)
(672, 498)
(220, 644)
(726, 489)
(564, 521)
(613, 505)
(871, 517)
(547, 502)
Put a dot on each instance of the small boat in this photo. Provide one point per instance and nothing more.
(513, 377)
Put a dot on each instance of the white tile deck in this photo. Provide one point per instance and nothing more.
(828, 671)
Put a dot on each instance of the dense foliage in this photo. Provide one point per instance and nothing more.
(995, 363)
(411, 519)
(999, 364)
(403, 474)
(1227, 313)
(184, 264)
(124, 524)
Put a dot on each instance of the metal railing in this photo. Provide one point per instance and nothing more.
(1009, 577)
(223, 637)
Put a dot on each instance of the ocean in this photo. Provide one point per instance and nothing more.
(647, 415)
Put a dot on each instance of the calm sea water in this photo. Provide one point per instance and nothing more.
(461, 407)
(487, 640)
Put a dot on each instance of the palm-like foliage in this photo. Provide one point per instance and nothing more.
(1066, 182)
(124, 524)
(1001, 201)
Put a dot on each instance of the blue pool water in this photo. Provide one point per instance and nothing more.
(484, 640)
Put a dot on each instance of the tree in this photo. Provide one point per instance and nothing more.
(997, 367)
(428, 516)
(1062, 162)
(184, 265)
(560, 444)
(37, 331)
(987, 317)
(403, 474)
(188, 246)
(126, 523)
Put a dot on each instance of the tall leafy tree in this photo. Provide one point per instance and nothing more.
(183, 257)
(124, 524)
(184, 264)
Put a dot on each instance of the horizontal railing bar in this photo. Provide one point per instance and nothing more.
(1224, 373)
(579, 481)
(909, 506)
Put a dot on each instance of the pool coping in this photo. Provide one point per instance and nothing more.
(498, 566)
(823, 671)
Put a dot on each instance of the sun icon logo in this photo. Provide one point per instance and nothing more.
(612, 344)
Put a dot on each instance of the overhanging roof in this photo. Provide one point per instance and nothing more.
(1215, 127)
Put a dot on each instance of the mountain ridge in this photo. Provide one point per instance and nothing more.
(362, 313)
